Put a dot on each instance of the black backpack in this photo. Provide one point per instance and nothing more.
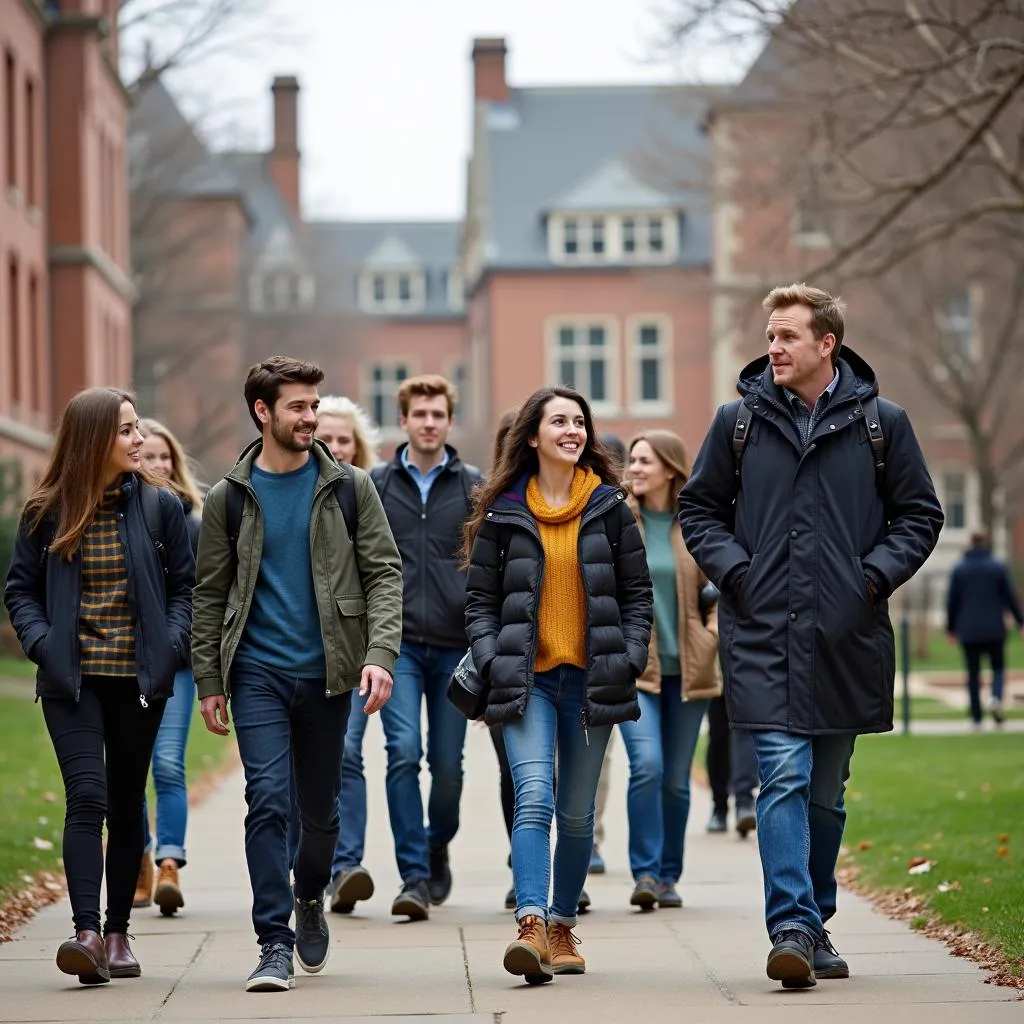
(344, 492)
(872, 423)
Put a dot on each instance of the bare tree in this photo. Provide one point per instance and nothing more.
(916, 106)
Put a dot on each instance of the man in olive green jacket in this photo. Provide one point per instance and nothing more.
(303, 608)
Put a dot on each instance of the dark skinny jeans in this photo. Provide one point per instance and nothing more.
(104, 745)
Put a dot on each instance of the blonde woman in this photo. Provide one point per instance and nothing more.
(348, 431)
(678, 681)
(165, 459)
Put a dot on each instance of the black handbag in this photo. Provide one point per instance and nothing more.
(466, 690)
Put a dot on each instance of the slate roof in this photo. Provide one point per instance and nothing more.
(559, 142)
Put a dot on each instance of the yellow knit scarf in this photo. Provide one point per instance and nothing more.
(562, 618)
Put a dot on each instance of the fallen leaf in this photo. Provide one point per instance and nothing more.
(984, 910)
(42, 844)
(43, 820)
(920, 866)
(48, 797)
(986, 881)
(1004, 838)
(949, 886)
(1003, 851)
(864, 844)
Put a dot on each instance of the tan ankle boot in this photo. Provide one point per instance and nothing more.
(144, 886)
(562, 945)
(528, 954)
(168, 892)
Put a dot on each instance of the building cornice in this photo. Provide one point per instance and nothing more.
(87, 256)
(30, 436)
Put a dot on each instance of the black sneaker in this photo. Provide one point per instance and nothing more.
(583, 904)
(510, 899)
(645, 893)
(791, 960)
(746, 820)
(827, 961)
(668, 896)
(350, 886)
(312, 939)
(413, 901)
(439, 885)
(718, 822)
(597, 865)
(275, 971)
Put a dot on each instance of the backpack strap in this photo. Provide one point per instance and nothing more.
(234, 499)
(876, 437)
(345, 492)
(740, 435)
(153, 515)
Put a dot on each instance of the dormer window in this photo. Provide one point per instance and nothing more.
(620, 238)
(392, 291)
(281, 290)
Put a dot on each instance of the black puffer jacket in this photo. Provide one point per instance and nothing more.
(503, 599)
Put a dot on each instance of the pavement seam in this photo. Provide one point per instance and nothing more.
(712, 976)
(465, 967)
(159, 1012)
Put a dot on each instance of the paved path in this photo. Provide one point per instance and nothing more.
(700, 965)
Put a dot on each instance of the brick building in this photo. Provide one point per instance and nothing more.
(64, 284)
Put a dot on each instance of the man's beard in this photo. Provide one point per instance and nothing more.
(288, 439)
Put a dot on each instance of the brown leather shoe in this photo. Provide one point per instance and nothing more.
(144, 886)
(86, 956)
(168, 893)
(562, 945)
(120, 958)
(528, 955)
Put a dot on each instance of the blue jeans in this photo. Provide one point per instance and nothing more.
(284, 724)
(660, 748)
(169, 773)
(800, 819)
(422, 671)
(552, 719)
(351, 800)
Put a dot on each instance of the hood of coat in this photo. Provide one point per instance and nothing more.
(856, 379)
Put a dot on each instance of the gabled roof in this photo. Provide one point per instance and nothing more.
(547, 142)
(613, 186)
(392, 253)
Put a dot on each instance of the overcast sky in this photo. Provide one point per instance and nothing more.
(386, 87)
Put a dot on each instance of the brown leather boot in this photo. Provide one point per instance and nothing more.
(528, 955)
(562, 944)
(120, 958)
(86, 956)
(168, 893)
(144, 886)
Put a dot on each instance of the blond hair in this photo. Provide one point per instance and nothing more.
(182, 480)
(826, 310)
(367, 436)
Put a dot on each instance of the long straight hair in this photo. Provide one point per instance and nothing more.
(182, 481)
(670, 451)
(518, 457)
(72, 485)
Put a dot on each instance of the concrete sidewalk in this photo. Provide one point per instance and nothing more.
(700, 965)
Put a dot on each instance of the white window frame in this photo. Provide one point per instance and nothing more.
(614, 238)
(392, 302)
(664, 404)
(962, 325)
(451, 368)
(969, 499)
(582, 323)
(389, 430)
(280, 282)
(456, 290)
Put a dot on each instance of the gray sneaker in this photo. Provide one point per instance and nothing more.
(350, 886)
(275, 972)
(312, 938)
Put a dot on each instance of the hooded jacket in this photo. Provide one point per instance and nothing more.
(793, 541)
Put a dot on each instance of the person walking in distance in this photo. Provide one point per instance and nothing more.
(680, 677)
(425, 490)
(732, 768)
(100, 595)
(165, 459)
(351, 438)
(297, 604)
(980, 595)
(809, 504)
(558, 613)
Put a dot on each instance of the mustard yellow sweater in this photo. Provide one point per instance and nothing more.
(562, 618)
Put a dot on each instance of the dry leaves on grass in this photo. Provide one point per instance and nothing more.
(47, 887)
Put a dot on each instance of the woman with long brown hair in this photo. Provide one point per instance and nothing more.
(677, 682)
(100, 594)
(165, 459)
(558, 613)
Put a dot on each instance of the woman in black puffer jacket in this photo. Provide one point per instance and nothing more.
(558, 613)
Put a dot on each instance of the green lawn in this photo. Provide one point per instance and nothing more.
(16, 668)
(956, 801)
(941, 657)
(932, 709)
(32, 796)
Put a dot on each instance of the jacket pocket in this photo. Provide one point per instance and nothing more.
(352, 633)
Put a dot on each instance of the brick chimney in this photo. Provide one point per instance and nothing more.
(489, 82)
(284, 157)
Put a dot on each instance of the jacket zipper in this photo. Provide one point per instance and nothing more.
(315, 515)
(140, 656)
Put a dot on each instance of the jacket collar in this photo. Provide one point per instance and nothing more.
(856, 380)
(452, 465)
(515, 496)
(329, 470)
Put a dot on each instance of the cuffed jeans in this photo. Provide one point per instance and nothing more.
(801, 815)
(552, 721)
(422, 673)
(284, 724)
(103, 745)
(660, 747)
(169, 773)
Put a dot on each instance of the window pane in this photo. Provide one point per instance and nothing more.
(597, 235)
(401, 372)
(595, 336)
(598, 391)
(650, 380)
(629, 235)
(570, 241)
(404, 288)
(377, 408)
(655, 234)
(649, 335)
(566, 337)
(567, 373)
(954, 487)
(378, 288)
